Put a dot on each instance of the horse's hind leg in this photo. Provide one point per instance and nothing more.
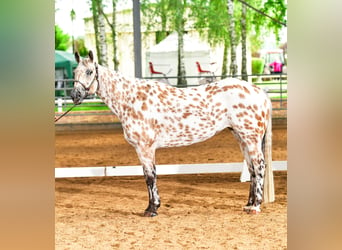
(252, 151)
(257, 171)
(252, 186)
(256, 166)
(251, 196)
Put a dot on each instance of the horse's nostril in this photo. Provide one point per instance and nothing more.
(77, 95)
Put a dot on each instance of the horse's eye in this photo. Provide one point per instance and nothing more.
(89, 72)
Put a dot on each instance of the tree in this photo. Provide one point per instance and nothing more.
(171, 16)
(212, 21)
(275, 15)
(244, 42)
(216, 21)
(157, 16)
(163, 16)
(246, 23)
(179, 20)
(100, 32)
(219, 27)
(112, 25)
(62, 40)
(102, 35)
(232, 35)
(93, 8)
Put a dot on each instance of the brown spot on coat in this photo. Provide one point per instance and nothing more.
(144, 106)
(186, 114)
(141, 96)
(258, 117)
(246, 90)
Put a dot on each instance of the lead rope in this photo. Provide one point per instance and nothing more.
(56, 119)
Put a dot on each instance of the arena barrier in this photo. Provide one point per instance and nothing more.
(169, 169)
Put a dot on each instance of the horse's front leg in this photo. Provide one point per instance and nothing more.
(151, 182)
(147, 159)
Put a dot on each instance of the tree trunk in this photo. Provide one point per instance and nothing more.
(181, 67)
(103, 59)
(225, 59)
(113, 27)
(244, 43)
(233, 63)
(181, 80)
(95, 22)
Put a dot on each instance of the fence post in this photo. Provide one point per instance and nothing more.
(281, 90)
(59, 104)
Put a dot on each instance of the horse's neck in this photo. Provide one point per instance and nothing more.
(112, 89)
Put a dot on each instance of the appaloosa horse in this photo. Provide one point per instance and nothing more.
(156, 115)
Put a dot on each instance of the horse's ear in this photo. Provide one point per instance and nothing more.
(91, 56)
(77, 57)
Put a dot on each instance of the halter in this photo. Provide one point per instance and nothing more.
(96, 77)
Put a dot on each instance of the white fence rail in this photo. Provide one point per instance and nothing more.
(161, 169)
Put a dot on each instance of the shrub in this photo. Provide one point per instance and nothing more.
(257, 65)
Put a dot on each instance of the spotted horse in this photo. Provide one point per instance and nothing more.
(156, 115)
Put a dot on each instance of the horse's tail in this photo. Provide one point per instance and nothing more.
(267, 148)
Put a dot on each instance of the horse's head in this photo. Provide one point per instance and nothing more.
(86, 74)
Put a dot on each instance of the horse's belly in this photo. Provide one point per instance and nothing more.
(187, 136)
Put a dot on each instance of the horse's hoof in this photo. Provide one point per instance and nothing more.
(150, 214)
(247, 208)
(252, 211)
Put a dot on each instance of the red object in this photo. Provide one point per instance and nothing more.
(152, 69)
(200, 70)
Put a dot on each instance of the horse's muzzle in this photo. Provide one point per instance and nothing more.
(77, 95)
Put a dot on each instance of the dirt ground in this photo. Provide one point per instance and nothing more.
(197, 211)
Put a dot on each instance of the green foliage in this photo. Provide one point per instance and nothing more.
(211, 20)
(256, 43)
(62, 40)
(164, 15)
(257, 65)
(276, 9)
(80, 47)
(157, 15)
(160, 36)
